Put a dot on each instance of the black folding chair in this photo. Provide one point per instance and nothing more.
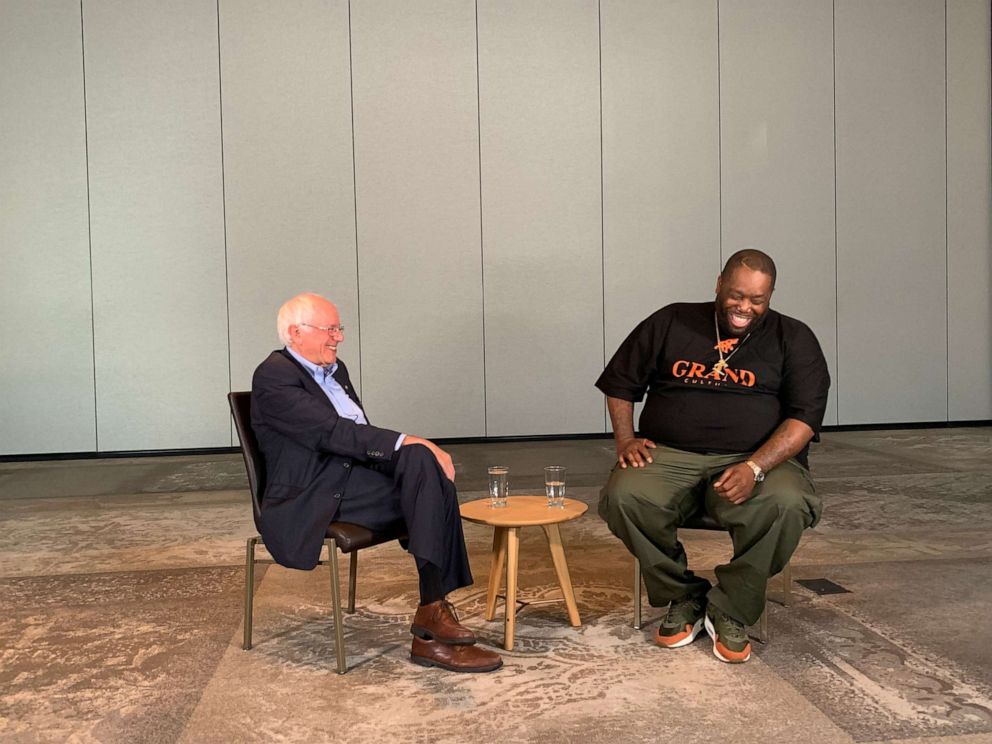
(348, 538)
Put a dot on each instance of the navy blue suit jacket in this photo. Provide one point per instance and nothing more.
(309, 453)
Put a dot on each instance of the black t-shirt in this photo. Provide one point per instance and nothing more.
(777, 373)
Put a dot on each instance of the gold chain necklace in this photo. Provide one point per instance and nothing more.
(722, 364)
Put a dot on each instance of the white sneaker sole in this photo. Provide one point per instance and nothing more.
(711, 631)
(697, 628)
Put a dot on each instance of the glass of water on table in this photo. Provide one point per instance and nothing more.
(498, 485)
(554, 484)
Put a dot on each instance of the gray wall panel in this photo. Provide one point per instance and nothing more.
(157, 224)
(511, 227)
(417, 180)
(541, 209)
(661, 158)
(969, 198)
(890, 211)
(776, 123)
(46, 399)
(289, 183)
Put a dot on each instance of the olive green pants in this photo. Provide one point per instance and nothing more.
(644, 507)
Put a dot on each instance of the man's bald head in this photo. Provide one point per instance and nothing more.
(752, 259)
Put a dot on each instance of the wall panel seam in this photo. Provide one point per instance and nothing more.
(354, 189)
(947, 288)
(223, 211)
(482, 238)
(602, 192)
(719, 138)
(89, 225)
(836, 383)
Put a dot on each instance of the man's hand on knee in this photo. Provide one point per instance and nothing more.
(442, 457)
(635, 452)
(735, 484)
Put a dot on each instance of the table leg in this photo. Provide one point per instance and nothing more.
(495, 571)
(510, 617)
(561, 569)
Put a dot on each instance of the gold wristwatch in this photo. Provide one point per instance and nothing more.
(759, 474)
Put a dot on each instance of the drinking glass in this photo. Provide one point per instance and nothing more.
(498, 485)
(554, 484)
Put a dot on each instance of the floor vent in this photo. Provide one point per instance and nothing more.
(823, 586)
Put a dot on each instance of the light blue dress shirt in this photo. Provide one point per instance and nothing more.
(342, 402)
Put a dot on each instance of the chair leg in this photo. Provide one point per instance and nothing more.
(332, 560)
(352, 581)
(763, 626)
(762, 636)
(637, 594)
(787, 585)
(249, 589)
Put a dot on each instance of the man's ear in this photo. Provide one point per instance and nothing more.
(719, 282)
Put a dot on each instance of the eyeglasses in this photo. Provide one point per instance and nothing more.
(325, 329)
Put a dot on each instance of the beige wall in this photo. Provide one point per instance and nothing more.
(494, 192)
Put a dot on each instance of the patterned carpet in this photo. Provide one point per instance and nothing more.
(122, 623)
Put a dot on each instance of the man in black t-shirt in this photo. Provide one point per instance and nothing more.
(735, 392)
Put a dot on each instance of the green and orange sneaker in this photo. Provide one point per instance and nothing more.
(730, 642)
(683, 622)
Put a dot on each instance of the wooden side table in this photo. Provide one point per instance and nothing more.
(523, 511)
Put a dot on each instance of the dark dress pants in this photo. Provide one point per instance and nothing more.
(411, 489)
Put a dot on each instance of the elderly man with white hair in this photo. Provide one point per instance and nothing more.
(325, 462)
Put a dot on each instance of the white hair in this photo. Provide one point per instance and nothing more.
(295, 312)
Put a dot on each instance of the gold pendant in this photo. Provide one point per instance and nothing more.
(720, 366)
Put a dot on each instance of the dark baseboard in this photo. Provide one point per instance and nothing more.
(454, 440)
(912, 425)
(121, 454)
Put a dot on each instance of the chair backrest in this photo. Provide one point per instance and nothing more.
(254, 463)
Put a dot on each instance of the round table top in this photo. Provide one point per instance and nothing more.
(521, 511)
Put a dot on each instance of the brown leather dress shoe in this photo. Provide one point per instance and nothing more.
(454, 658)
(437, 621)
